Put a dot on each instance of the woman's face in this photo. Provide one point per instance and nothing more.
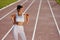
(21, 11)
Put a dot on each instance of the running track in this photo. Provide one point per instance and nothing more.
(44, 20)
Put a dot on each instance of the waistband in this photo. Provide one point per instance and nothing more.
(18, 25)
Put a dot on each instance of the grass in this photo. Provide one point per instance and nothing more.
(4, 3)
(58, 1)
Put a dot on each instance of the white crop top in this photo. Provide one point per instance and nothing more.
(19, 18)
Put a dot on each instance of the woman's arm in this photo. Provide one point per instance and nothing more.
(12, 18)
(26, 18)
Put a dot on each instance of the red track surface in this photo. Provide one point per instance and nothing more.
(46, 28)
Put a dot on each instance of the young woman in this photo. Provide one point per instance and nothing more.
(19, 19)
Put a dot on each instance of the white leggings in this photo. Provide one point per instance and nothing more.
(18, 30)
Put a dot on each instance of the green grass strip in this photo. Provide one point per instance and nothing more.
(58, 1)
(4, 3)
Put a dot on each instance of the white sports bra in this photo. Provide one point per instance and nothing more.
(19, 18)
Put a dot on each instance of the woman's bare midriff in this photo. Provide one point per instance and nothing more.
(19, 23)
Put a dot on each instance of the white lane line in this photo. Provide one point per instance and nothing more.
(10, 5)
(12, 27)
(29, 6)
(12, 11)
(36, 19)
(53, 17)
(6, 34)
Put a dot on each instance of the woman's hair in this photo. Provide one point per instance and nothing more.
(19, 7)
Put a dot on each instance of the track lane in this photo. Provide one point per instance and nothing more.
(46, 28)
(55, 9)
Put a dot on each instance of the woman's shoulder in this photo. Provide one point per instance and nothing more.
(26, 14)
(13, 15)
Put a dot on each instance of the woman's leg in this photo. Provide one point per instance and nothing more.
(15, 33)
(22, 34)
